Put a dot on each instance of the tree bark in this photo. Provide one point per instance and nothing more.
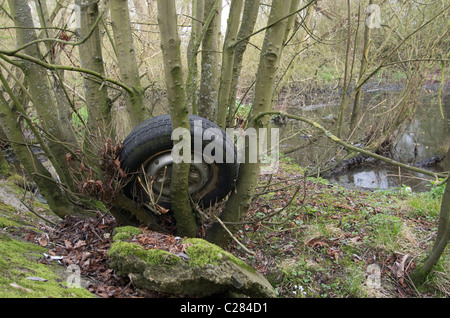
(120, 20)
(61, 98)
(192, 53)
(39, 88)
(345, 98)
(54, 195)
(420, 273)
(97, 102)
(228, 52)
(170, 44)
(251, 9)
(239, 201)
(210, 62)
(362, 72)
(297, 50)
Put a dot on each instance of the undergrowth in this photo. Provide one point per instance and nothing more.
(331, 241)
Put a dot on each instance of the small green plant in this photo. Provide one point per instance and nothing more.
(295, 277)
(437, 189)
(386, 230)
(242, 110)
(80, 117)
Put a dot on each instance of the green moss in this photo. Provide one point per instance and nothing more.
(124, 233)
(152, 256)
(199, 251)
(202, 252)
(18, 262)
(7, 222)
(156, 257)
(131, 230)
(126, 248)
(122, 237)
(5, 168)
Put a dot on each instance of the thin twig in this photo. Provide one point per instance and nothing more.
(233, 237)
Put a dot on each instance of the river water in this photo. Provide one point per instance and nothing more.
(425, 135)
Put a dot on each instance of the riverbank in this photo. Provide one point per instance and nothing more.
(310, 238)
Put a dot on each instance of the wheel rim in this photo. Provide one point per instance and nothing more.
(158, 170)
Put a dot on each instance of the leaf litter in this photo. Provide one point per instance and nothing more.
(85, 243)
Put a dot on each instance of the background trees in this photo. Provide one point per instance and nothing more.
(78, 76)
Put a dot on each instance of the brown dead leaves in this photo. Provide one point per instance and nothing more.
(87, 178)
(331, 247)
(85, 243)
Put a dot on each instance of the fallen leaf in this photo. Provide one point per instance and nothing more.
(43, 239)
(68, 244)
(315, 242)
(79, 244)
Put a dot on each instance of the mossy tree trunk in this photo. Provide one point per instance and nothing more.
(237, 205)
(210, 62)
(250, 15)
(136, 110)
(192, 53)
(91, 57)
(40, 90)
(229, 49)
(170, 44)
(300, 40)
(61, 98)
(55, 196)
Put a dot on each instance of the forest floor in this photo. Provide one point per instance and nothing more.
(310, 238)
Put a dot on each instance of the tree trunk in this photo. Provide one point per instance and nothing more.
(192, 53)
(97, 102)
(297, 50)
(420, 273)
(39, 88)
(224, 102)
(345, 98)
(54, 195)
(170, 44)
(362, 72)
(61, 98)
(251, 9)
(120, 20)
(290, 20)
(239, 201)
(210, 63)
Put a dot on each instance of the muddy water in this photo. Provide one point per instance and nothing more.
(420, 139)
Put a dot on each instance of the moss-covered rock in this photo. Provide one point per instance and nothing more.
(202, 252)
(205, 269)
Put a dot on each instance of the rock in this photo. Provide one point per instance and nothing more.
(202, 269)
